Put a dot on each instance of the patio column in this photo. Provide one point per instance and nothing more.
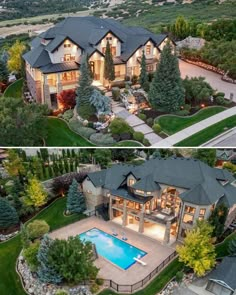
(167, 233)
(110, 209)
(141, 219)
(46, 92)
(124, 221)
(59, 84)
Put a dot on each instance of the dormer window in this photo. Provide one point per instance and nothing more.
(109, 38)
(224, 182)
(44, 42)
(67, 45)
(131, 182)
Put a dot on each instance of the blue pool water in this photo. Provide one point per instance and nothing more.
(117, 251)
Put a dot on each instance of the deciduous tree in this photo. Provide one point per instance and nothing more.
(37, 228)
(207, 156)
(197, 250)
(35, 195)
(15, 61)
(14, 164)
(67, 99)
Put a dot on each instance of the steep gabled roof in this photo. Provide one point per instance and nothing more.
(225, 272)
(147, 184)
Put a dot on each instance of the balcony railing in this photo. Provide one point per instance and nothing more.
(159, 217)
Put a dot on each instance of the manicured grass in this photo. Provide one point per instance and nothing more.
(15, 89)
(10, 282)
(59, 134)
(173, 124)
(208, 133)
(159, 282)
(126, 143)
(222, 249)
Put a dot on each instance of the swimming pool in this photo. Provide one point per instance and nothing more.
(115, 250)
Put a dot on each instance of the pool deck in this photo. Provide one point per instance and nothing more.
(156, 252)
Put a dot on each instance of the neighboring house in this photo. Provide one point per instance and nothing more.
(222, 280)
(53, 63)
(224, 156)
(161, 198)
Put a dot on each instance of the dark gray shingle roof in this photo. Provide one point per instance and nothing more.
(226, 272)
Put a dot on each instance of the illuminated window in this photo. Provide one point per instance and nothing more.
(112, 48)
(189, 209)
(202, 214)
(149, 68)
(188, 218)
(148, 49)
(67, 45)
(139, 191)
(149, 193)
(131, 182)
(68, 57)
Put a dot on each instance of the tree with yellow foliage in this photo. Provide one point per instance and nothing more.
(198, 251)
(14, 166)
(35, 195)
(15, 61)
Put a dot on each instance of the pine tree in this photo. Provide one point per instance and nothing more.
(166, 90)
(143, 78)
(25, 241)
(109, 69)
(35, 196)
(8, 214)
(84, 91)
(46, 273)
(75, 199)
(3, 72)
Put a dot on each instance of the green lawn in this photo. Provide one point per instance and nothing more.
(173, 124)
(208, 133)
(126, 143)
(10, 283)
(15, 89)
(59, 134)
(222, 249)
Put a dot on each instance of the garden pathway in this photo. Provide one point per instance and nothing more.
(187, 132)
(136, 123)
(212, 78)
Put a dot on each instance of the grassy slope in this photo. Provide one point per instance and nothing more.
(173, 124)
(15, 89)
(208, 133)
(60, 135)
(9, 251)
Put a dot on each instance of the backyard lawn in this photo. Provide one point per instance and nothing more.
(60, 135)
(15, 89)
(10, 282)
(208, 133)
(172, 124)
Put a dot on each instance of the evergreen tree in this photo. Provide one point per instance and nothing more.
(66, 166)
(8, 214)
(218, 219)
(143, 78)
(25, 241)
(68, 153)
(46, 272)
(166, 90)
(3, 72)
(207, 156)
(232, 247)
(109, 69)
(84, 91)
(50, 171)
(73, 153)
(75, 199)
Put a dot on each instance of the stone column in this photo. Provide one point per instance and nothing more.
(125, 216)
(167, 233)
(59, 84)
(46, 92)
(141, 219)
(110, 208)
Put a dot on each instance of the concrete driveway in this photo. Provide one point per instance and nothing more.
(212, 78)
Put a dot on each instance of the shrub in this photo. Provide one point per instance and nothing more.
(125, 136)
(119, 126)
(179, 276)
(222, 94)
(150, 76)
(77, 127)
(156, 128)
(116, 93)
(187, 107)
(37, 228)
(220, 100)
(61, 292)
(134, 79)
(102, 139)
(86, 111)
(99, 281)
(146, 142)
(142, 117)
(146, 86)
(150, 121)
(182, 113)
(94, 288)
(68, 115)
(138, 136)
(30, 255)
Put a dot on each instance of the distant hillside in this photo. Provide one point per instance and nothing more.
(12, 9)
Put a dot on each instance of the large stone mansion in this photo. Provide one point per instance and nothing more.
(52, 64)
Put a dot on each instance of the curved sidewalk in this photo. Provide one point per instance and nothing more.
(187, 132)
